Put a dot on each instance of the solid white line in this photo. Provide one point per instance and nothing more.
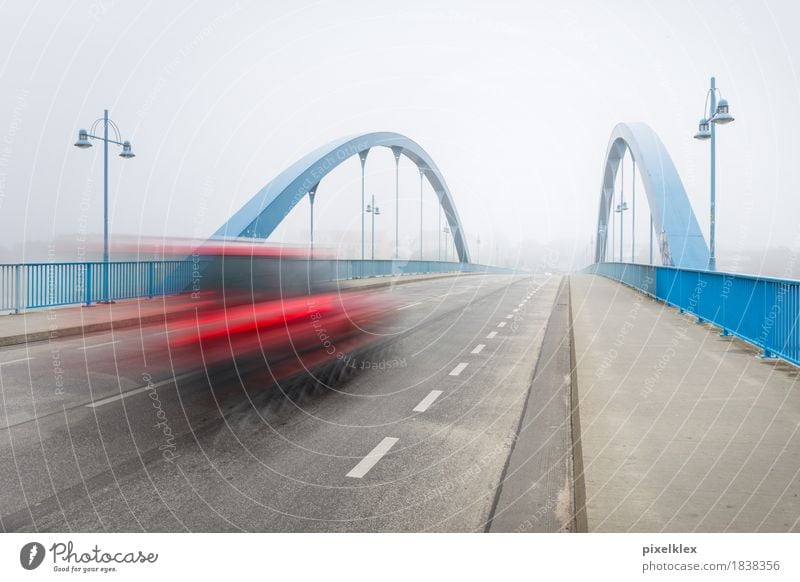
(491, 335)
(501, 324)
(409, 305)
(427, 401)
(84, 348)
(478, 349)
(458, 369)
(102, 401)
(15, 361)
(372, 458)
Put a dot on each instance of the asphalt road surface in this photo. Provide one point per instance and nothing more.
(91, 439)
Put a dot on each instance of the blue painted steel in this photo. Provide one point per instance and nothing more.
(265, 211)
(680, 241)
(761, 310)
(36, 285)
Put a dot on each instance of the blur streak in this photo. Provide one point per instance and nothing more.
(263, 305)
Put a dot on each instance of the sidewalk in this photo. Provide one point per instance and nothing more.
(42, 324)
(681, 430)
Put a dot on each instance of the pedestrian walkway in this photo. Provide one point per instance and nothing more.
(681, 429)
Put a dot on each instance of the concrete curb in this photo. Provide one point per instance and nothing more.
(580, 519)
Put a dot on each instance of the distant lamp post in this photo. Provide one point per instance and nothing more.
(713, 113)
(446, 231)
(374, 211)
(126, 153)
(621, 207)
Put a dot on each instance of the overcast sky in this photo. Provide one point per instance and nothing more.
(515, 101)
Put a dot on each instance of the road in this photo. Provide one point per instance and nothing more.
(92, 440)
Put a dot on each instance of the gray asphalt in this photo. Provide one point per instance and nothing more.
(236, 452)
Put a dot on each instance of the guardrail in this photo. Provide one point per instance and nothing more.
(36, 285)
(760, 310)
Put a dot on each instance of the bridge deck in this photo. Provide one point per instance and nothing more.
(681, 430)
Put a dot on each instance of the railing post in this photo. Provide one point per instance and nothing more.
(150, 279)
(17, 288)
(88, 283)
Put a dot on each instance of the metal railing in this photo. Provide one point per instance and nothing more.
(760, 310)
(36, 285)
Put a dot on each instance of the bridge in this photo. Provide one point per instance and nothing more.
(624, 397)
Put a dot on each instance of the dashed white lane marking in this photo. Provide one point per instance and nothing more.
(427, 401)
(515, 309)
(15, 361)
(372, 458)
(458, 369)
(501, 324)
(84, 348)
(102, 401)
(491, 335)
(478, 349)
(509, 316)
(409, 305)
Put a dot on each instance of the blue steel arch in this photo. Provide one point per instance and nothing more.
(680, 241)
(260, 216)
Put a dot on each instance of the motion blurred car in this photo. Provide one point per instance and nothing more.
(271, 306)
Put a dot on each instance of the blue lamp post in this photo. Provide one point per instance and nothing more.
(374, 211)
(713, 113)
(126, 153)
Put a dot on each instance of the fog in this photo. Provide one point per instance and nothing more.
(515, 101)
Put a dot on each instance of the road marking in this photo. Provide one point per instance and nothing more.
(372, 458)
(84, 348)
(16, 361)
(102, 401)
(515, 310)
(491, 335)
(478, 349)
(501, 324)
(427, 401)
(509, 316)
(163, 332)
(458, 369)
(409, 305)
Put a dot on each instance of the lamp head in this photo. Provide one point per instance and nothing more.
(127, 152)
(83, 140)
(703, 130)
(723, 114)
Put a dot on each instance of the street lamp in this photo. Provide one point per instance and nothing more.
(127, 153)
(374, 211)
(621, 207)
(713, 113)
(446, 231)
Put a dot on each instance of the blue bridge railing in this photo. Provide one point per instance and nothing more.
(760, 310)
(36, 285)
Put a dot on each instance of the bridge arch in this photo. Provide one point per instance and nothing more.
(259, 217)
(680, 241)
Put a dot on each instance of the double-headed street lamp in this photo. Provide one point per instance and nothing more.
(374, 211)
(713, 113)
(621, 208)
(126, 153)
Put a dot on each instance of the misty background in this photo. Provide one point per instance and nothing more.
(515, 101)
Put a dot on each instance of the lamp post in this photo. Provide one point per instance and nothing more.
(374, 211)
(713, 113)
(311, 194)
(621, 207)
(362, 155)
(126, 153)
(421, 176)
(446, 241)
(397, 150)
